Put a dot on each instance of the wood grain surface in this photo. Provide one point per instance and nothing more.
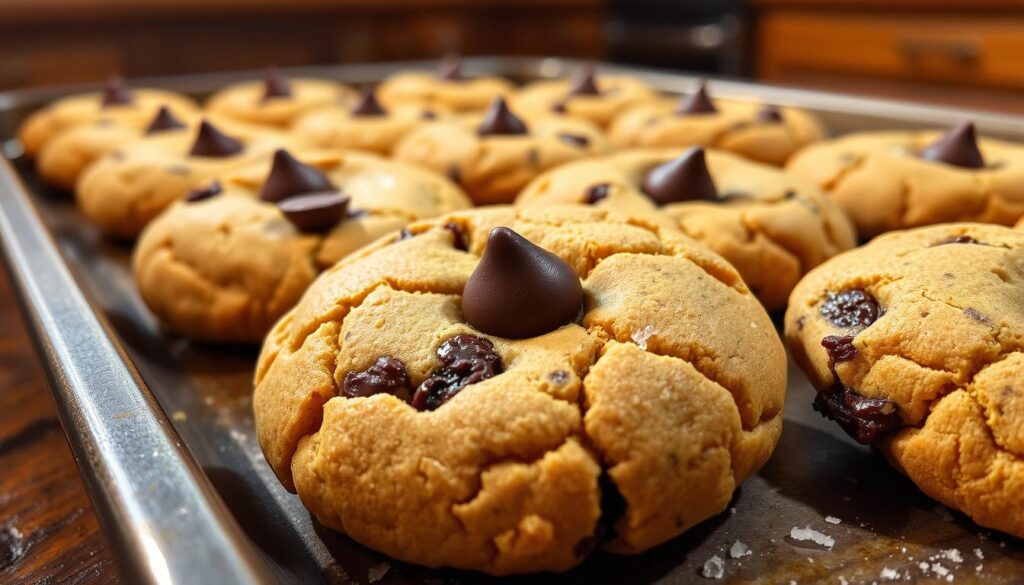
(48, 533)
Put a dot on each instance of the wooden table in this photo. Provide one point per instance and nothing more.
(48, 532)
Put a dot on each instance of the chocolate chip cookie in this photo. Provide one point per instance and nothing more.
(597, 99)
(277, 101)
(495, 156)
(226, 263)
(894, 180)
(771, 227)
(761, 132)
(507, 390)
(449, 88)
(915, 343)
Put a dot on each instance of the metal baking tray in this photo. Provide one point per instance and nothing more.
(162, 429)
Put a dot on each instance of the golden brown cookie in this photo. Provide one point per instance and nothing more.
(116, 104)
(760, 132)
(225, 265)
(620, 421)
(277, 101)
(597, 99)
(888, 180)
(495, 156)
(125, 189)
(915, 343)
(448, 88)
(771, 227)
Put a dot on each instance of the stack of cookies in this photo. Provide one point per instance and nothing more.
(503, 327)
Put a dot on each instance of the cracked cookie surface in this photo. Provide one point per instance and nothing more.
(771, 227)
(621, 429)
(223, 269)
(916, 343)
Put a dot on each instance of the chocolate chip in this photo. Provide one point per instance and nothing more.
(958, 147)
(960, 239)
(519, 289)
(976, 315)
(314, 212)
(450, 69)
(116, 93)
(386, 375)
(559, 108)
(697, 102)
(499, 120)
(454, 173)
(465, 359)
(840, 348)
(769, 114)
(458, 239)
(574, 139)
(163, 121)
(597, 192)
(684, 178)
(584, 83)
(211, 190)
(288, 177)
(276, 85)
(428, 115)
(211, 142)
(864, 419)
(851, 308)
(368, 104)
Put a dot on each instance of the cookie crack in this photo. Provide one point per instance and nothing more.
(859, 160)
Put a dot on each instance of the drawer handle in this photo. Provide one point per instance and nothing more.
(959, 51)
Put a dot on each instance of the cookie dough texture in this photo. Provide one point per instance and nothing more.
(771, 227)
(244, 101)
(883, 185)
(735, 128)
(336, 127)
(226, 268)
(494, 168)
(506, 477)
(44, 124)
(617, 94)
(948, 351)
(425, 88)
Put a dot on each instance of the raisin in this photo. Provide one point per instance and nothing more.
(851, 308)
(864, 419)
(465, 359)
(386, 375)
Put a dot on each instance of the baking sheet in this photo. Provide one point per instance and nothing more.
(883, 528)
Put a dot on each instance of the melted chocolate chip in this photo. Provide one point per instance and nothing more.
(585, 83)
(314, 212)
(276, 85)
(840, 348)
(697, 102)
(864, 419)
(499, 120)
(465, 359)
(386, 375)
(597, 192)
(211, 190)
(960, 239)
(684, 178)
(368, 105)
(958, 147)
(450, 70)
(458, 239)
(769, 114)
(559, 108)
(117, 93)
(289, 177)
(574, 139)
(519, 289)
(163, 121)
(211, 142)
(851, 308)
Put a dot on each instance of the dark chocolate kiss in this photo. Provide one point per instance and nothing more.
(769, 114)
(214, 143)
(276, 85)
(117, 93)
(958, 147)
(164, 120)
(684, 178)
(519, 289)
(288, 178)
(697, 102)
(500, 120)
(368, 104)
(450, 69)
(315, 212)
(585, 83)
(203, 193)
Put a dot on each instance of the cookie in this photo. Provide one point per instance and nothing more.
(771, 227)
(895, 180)
(367, 125)
(226, 263)
(277, 101)
(760, 132)
(587, 96)
(915, 343)
(449, 88)
(495, 156)
(125, 189)
(506, 390)
(117, 104)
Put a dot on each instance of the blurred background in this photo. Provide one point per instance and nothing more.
(965, 52)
